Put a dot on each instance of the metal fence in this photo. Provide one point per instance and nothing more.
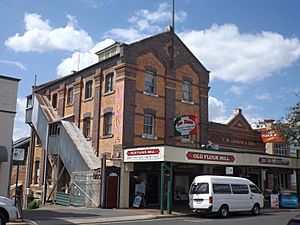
(85, 189)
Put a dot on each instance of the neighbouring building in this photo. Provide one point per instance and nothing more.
(113, 124)
(8, 102)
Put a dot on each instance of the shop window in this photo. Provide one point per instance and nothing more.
(221, 189)
(88, 89)
(54, 101)
(149, 125)
(107, 124)
(149, 86)
(70, 96)
(87, 128)
(239, 189)
(36, 172)
(109, 83)
(187, 91)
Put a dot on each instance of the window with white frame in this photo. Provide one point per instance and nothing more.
(187, 91)
(280, 149)
(109, 83)
(107, 124)
(148, 125)
(149, 86)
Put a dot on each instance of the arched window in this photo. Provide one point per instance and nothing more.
(36, 172)
(70, 96)
(107, 126)
(148, 125)
(88, 89)
(87, 127)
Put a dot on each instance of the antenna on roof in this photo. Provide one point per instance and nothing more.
(78, 60)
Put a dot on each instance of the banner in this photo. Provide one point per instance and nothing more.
(186, 125)
(273, 136)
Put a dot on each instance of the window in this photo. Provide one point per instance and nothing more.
(88, 89)
(187, 91)
(239, 189)
(29, 102)
(36, 172)
(149, 125)
(280, 149)
(70, 96)
(87, 127)
(254, 189)
(54, 101)
(186, 138)
(109, 83)
(149, 82)
(221, 189)
(200, 188)
(107, 123)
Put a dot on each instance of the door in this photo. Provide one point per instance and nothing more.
(152, 189)
(112, 192)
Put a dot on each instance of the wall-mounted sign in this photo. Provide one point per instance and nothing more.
(229, 170)
(18, 154)
(273, 136)
(273, 161)
(185, 125)
(142, 155)
(209, 157)
(119, 107)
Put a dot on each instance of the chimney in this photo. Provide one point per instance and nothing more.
(238, 111)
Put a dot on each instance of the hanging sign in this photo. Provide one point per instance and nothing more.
(185, 125)
(271, 136)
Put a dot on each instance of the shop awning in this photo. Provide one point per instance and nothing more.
(3, 154)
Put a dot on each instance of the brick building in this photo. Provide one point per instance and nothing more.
(122, 110)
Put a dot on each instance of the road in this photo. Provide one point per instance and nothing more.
(278, 218)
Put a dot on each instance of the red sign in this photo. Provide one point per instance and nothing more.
(143, 152)
(186, 125)
(273, 161)
(210, 157)
(271, 136)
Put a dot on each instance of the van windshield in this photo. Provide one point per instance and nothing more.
(199, 188)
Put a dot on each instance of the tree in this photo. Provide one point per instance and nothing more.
(290, 126)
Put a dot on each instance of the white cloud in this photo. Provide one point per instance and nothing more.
(145, 23)
(20, 128)
(14, 63)
(264, 96)
(241, 57)
(85, 59)
(41, 37)
(237, 90)
(217, 110)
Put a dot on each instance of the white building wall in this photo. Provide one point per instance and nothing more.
(8, 101)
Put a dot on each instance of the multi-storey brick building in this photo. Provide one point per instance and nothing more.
(125, 106)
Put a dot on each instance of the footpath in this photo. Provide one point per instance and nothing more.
(54, 215)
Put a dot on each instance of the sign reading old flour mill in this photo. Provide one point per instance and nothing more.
(209, 157)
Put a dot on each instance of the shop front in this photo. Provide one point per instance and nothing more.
(159, 170)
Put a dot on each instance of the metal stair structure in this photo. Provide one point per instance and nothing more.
(61, 137)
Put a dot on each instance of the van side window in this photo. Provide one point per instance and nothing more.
(200, 188)
(240, 189)
(254, 189)
(221, 189)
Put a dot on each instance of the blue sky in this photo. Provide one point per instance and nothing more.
(252, 48)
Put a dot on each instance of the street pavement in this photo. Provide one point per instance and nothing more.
(62, 215)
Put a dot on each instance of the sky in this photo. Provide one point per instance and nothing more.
(250, 47)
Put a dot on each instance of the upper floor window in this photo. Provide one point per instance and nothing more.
(107, 124)
(70, 96)
(149, 86)
(54, 101)
(187, 91)
(149, 125)
(29, 102)
(36, 172)
(87, 127)
(88, 89)
(280, 149)
(109, 83)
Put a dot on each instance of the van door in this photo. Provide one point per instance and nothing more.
(242, 197)
(256, 195)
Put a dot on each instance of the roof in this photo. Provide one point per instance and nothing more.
(21, 141)
(9, 78)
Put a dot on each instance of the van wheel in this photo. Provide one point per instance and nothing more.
(2, 219)
(223, 211)
(255, 210)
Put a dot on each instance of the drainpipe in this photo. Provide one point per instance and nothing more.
(45, 167)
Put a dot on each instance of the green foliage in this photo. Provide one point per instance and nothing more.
(34, 204)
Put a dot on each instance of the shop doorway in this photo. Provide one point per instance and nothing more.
(152, 194)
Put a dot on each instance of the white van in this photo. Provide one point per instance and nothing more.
(223, 194)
